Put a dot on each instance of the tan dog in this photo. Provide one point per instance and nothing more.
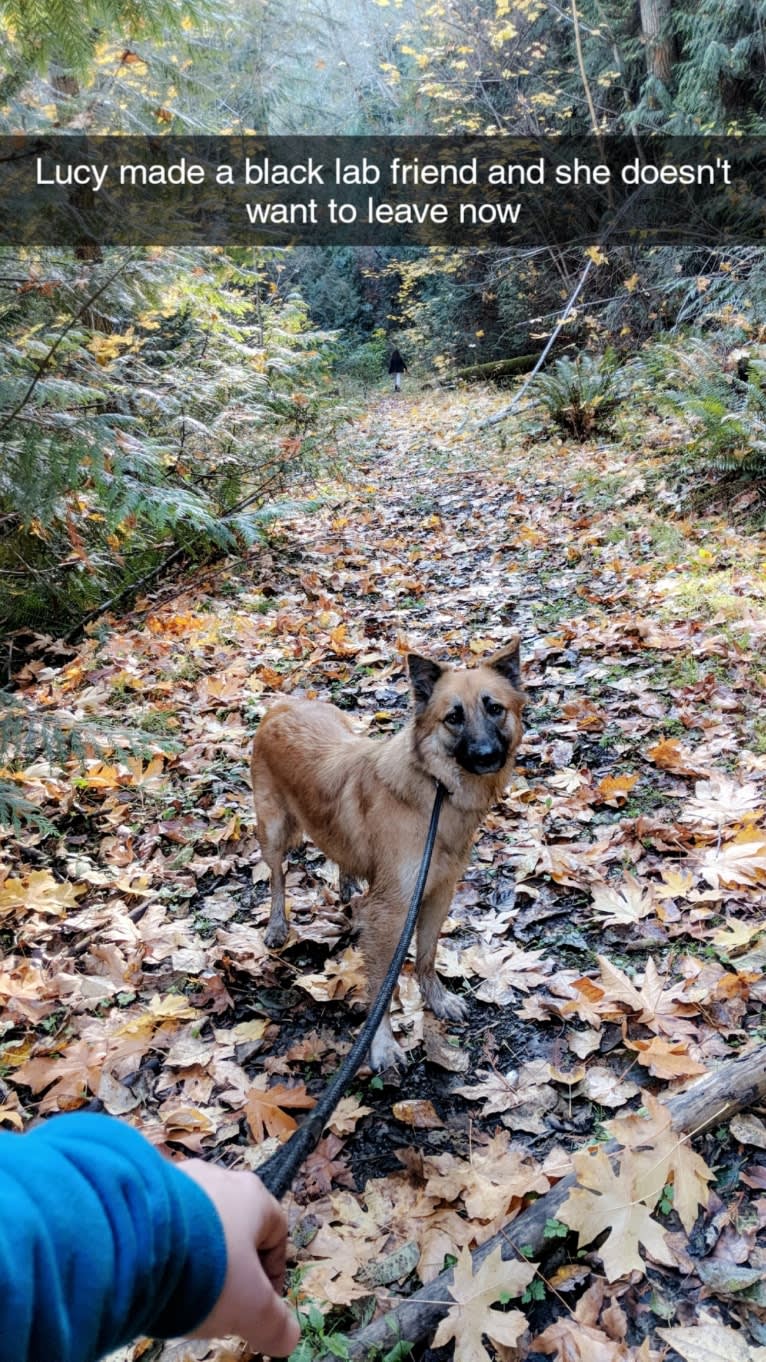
(367, 804)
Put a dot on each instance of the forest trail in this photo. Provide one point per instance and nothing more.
(628, 855)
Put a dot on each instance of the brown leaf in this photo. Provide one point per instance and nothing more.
(712, 1343)
(472, 1316)
(322, 1168)
(605, 1200)
(418, 1113)
(265, 1109)
(666, 1060)
(671, 756)
(663, 1154)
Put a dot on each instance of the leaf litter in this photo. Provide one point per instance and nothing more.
(608, 936)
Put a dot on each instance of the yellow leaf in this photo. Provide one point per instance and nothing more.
(39, 892)
(615, 789)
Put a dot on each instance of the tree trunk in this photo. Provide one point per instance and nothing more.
(658, 40)
(713, 1100)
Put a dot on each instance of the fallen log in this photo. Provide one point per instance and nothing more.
(497, 369)
(737, 1084)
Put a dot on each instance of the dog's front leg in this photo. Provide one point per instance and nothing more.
(440, 1000)
(378, 938)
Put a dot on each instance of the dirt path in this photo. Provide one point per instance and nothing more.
(139, 981)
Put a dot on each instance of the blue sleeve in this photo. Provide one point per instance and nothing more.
(101, 1240)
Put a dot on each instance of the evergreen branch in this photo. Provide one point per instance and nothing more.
(45, 361)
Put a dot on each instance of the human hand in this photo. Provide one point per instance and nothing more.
(255, 1228)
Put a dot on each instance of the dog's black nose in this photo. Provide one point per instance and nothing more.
(481, 761)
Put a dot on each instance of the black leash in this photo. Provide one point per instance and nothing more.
(278, 1172)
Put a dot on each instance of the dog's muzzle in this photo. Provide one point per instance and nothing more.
(481, 761)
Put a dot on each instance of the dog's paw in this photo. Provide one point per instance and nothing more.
(276, 935)
(444, 1004)
(386, 1053)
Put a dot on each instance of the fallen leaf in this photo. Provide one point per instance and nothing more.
(39, 892)
(665, 1060)
(712, 1343)
(671, 756)
(474, 1294)
(748, 1129)
(347, 1115)
(604, 1087)
(265, 1109)
(614, 790)
(339, 978)
(625, 904)
(664, 1155)
(420, 1114)
(607, 1200)
(739, 863)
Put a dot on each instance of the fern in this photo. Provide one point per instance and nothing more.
(582, 395)
(29, 733)
(149, 428)
(724, 415)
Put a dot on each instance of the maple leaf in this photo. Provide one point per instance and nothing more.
(596, 1000)
(496, 1175)
(665, 1060)
(265, 1109)
(65, 1078)
(347, 1114)
(662, 1154)
(330, 1272)
(39, 892)
(322, 1168)
(721, 801)
(161, 1011)
(712, 1343)
(504, 970)
(417, 1112)
(614, 790)
(527, 1093)
(625, 904)
(671, 756)
(602, 1086)
(656, 1007)
(664, 1010)
(741, 862)
(576, 1342)
(150, 777)
(607, 1200)
(475, 1293)
(338, 978)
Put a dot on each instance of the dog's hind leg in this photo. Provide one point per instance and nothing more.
(440, 1000)
(277, 930)
(276, 834)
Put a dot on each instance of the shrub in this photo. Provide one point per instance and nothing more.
(365, 362)
(724, 414)
(580, 396)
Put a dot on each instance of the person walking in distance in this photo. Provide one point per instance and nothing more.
(397, 367)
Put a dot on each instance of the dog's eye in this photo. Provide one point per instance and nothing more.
(494, 709)
(455, 716)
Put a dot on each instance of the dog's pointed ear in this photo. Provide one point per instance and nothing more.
(507, 662)
(423, 677)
